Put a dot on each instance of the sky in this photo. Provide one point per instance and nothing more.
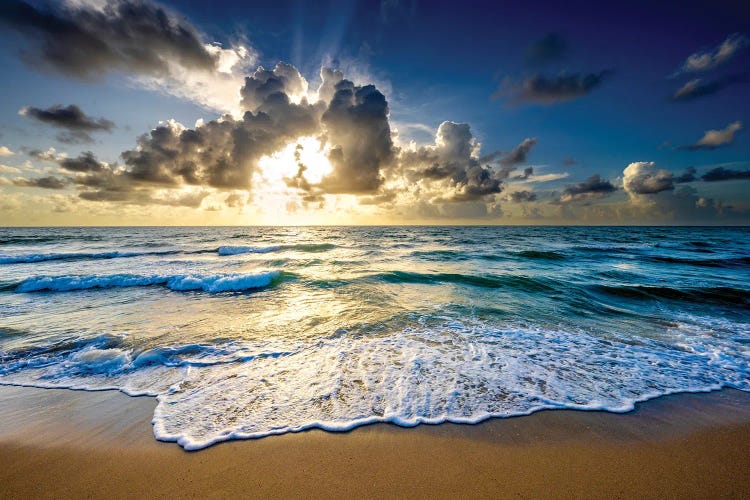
(135, 112)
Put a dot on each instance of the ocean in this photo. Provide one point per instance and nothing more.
(246, 332)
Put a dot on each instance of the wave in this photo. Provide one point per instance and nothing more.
(43, 257)
(187, 282)
(303, 247)
(714, 295)
(459, 371)
(540, 255)
(714, 262)
(518, 282)
(237, 250)
(222, 250)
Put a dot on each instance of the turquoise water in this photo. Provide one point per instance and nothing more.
(247, 332)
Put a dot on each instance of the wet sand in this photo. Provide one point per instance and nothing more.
(59, 443)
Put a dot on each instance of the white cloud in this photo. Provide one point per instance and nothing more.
(705, 60)
(4, 151)
(715, 138)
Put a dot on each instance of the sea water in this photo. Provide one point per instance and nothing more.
(248, 332)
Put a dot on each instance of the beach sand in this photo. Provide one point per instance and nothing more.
(59, 443)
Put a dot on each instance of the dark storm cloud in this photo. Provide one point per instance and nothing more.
(49, 182)
(695, 89)
(550, 48)
(539, 89)
(124, 35)
(359, 133)
(78, 125)
(725, 174)
(593, 187)
(519, 154)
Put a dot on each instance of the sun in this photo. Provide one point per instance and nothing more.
(285, 163)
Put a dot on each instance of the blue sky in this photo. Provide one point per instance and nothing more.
(434, 62)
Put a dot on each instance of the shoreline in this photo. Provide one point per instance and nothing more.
(64, 443)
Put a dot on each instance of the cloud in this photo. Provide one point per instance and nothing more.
(539, 89)
(713, 139)
(452, 166)
(78, 125)
(359, 133)
(521, 196)
(223, 154)
(568, 161)
(725, 174)
(4, 151)
(85, 162)
(695, 89)
(50, 182)
(550, 48)
(7, 169)
(519, 154)
(284, 79)
(643, 178)
(154, 46)
(705, 60)
(592, 188)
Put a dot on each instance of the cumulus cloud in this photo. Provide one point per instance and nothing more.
(5, 151)
(540, 89)
(453, 164)
(550, 48)
(696, 88)
(644, 177)
(224, 154)
(155, 46)
(713, 139)
(78, 124)
(359, 133)
(705, 60)
(725, 174)
(592, 188)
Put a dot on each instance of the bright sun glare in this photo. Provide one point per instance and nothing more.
(285, 163)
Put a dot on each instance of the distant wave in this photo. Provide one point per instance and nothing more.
(511, 281)
(714, 262)
(211, 283)
(43, 257)
(540, 255)
(235, 250)
(222, 250)
(306, 247)
(456, 255)
(716, 295)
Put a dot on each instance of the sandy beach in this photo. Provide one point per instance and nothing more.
(63, 444)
